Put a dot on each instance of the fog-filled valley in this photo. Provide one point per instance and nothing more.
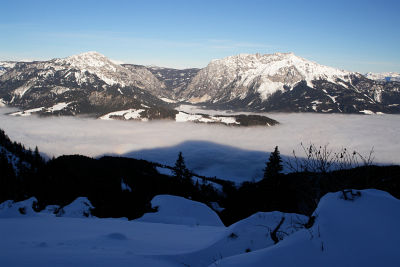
(233, 153)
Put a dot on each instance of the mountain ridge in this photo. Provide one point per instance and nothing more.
(248, 82)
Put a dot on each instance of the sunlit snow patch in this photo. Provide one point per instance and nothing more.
(129, 114)
(184, 117)
(56, 107)
(27, 112)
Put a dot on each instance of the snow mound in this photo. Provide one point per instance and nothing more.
(79, 208)
(10, 209)
(247, 235)
(181, 211)
(361, 230)
(117, 236)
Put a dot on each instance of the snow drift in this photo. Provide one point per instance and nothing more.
(181, 211)
(360, 231)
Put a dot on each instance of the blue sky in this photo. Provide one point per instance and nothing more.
(354, 35)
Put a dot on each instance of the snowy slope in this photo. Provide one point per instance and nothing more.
(247, 235)
(359, 232)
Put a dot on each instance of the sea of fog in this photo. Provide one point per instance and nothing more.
(234, 153)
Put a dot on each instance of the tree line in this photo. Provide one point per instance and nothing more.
(60, 180)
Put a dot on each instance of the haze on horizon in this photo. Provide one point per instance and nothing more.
(355, 35)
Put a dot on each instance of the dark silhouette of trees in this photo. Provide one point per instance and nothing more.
(274, 165)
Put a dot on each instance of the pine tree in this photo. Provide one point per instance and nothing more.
(37, 158)
(274, 165)
(180, 170)
(179, 166)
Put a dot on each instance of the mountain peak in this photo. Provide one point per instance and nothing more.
(89, 54)
(88, 59)
(266, 73)
(269, 65)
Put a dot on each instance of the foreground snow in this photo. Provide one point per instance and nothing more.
(69, 239)
(362, 231)
(359, 232)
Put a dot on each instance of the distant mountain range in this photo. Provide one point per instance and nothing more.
(90, 83)
(384, 76)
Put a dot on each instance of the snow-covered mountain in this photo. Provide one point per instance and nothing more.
(110, 72)
(286, 82)
(266, 73)
(87, 83)
(384, 76)
(90, 83)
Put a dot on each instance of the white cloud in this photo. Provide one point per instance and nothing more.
(238, 153)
